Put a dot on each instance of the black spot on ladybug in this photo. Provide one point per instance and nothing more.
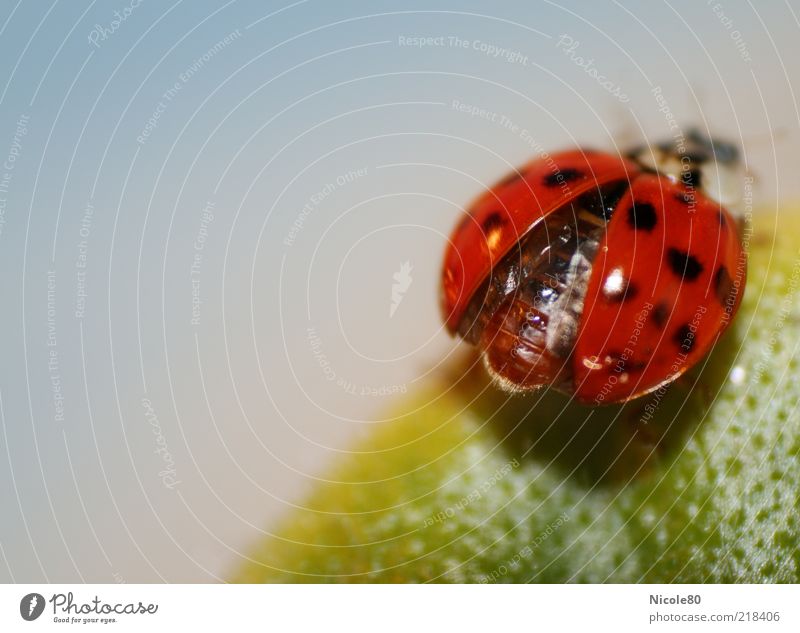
(626, 291)
(561, 176)
(642, 216)
(691, 178)
(683, 264)
(724, 285)
(684, 338)
(603, 202)
(685, 197)
(493, 222)
(660, 314)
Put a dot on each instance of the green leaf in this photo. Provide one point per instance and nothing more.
(468, 485)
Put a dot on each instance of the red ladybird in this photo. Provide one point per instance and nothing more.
(605, 277)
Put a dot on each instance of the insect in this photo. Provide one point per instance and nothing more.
(603, 276)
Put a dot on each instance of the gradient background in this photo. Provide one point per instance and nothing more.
(250, 409)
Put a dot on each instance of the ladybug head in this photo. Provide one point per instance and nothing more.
(711, 166)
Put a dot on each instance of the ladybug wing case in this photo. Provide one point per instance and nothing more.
(665, 284)
(501, 217)
(586, 273)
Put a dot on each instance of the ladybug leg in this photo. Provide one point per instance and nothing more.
(638, 422)
(637, 442)
(648, 429)
(691, 384)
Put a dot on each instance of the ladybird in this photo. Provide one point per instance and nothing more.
(602, 276)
